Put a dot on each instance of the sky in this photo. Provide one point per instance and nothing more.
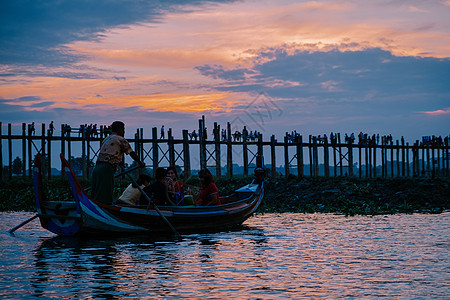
(376, 66)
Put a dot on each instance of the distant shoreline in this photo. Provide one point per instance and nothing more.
(340, 195)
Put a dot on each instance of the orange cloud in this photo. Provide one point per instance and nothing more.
(92, 93)
(167, 102)
(242, 26)
(445, 111)
(156, 58)
(234, 33)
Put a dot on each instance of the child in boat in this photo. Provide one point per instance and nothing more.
(131, 195)
(174, 185)
(158, 191)
(208, 193)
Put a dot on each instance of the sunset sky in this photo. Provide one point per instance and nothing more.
(378, 66)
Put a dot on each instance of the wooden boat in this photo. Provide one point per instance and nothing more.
(84, 215)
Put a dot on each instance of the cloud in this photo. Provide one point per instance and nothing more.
(25, 99)
(337, 85)
(36, 33)
(243, 26)
(99, 40)
(14, 113)
(230, 34)
(216, 72)
(152, 58)
(194, 103)
(330, 85)
(412, 8)
(357, 72)
(439, 112)
(42, 104)
(23, 73)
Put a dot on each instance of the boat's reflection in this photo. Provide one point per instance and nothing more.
(112, 266)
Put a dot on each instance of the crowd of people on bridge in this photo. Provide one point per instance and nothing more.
(236, 136)
(435, 140)
(90, 131)
(364, 139)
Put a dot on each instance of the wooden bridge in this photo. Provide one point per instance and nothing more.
(313, 156)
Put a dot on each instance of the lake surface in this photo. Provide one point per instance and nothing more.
(273, 256)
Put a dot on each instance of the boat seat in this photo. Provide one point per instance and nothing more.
(246, 191)
(229, 199)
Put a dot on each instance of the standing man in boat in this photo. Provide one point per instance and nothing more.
(110, 156)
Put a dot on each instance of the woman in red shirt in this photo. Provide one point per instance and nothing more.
(208, 193)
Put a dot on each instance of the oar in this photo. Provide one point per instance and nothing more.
(35, 216)
(156, 207)
(128, 171)
(23, 223)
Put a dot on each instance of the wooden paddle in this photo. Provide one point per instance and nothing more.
(23, 223)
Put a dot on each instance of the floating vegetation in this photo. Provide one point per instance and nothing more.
(341, 195)
(353, 196)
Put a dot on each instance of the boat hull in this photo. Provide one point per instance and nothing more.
(89, 216)
(60, 217)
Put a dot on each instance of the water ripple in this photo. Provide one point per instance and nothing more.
(273, 256)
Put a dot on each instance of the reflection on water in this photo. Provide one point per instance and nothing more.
(273, 256)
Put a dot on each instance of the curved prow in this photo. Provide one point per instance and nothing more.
(77, 189)
(260, 171)
(260, 161)
(60, 217)
(95, 215)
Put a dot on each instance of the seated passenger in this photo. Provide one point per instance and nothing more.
(157, 191)
(174, 186)
(131, 195)
(208, 193)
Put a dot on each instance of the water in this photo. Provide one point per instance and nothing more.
(272, 256)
